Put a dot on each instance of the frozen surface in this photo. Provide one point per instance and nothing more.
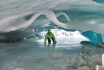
(30, 55)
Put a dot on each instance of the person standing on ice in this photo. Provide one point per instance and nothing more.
(49, 35)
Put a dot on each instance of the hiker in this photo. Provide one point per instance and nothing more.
(50, 36)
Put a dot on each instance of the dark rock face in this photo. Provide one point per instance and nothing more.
(15, 36)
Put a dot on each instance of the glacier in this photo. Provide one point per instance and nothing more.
(95, 38)
(79, 14)
(70, 20)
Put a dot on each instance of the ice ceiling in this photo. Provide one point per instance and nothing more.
(80, 14)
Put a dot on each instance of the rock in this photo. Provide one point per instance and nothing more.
(71, 61)
(85, 57)
(58, 55)
(94, 60)
(101, 50)
(88, 51)
(85, 50)
(79, 62)
(70, 68)
(37, 35)
(100, 45)
(18, 69)
(80, 54)
(93, 68)
(92, 52)
(62, 67)
(75, 65)
(83, 68)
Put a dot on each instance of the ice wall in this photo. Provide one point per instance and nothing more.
(95, 38)
(13, 14)
(17, 35)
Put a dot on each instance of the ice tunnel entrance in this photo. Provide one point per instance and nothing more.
(64, 36)
(73, 37)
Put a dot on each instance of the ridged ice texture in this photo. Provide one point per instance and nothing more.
(13, 13)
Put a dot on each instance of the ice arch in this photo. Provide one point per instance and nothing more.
(48, 20)
(13, 23)
(62, 13)
(16, 25)
(50, 15)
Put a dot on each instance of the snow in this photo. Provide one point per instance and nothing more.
(64, 37)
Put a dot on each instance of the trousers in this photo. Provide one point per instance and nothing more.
(49, 40)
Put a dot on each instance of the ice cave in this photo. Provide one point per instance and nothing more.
(78, 26)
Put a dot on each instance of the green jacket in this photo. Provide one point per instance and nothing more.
(49, 36)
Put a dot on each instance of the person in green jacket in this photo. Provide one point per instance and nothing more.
(49, 35)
